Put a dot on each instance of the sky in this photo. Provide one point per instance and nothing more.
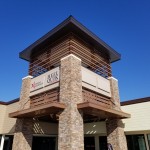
(122, 24)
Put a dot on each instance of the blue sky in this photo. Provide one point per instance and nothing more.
(123, 24)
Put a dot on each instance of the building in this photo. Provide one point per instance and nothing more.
(137, 129)
(69, 100)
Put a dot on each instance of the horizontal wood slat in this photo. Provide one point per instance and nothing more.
(45, 98)
(48, 58)
(93, 97)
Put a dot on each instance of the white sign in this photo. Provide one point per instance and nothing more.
(45, 79)
(95, 82)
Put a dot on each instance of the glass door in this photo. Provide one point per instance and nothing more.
(44, 143)
(103, 143)
(89, 143)
(8, 141)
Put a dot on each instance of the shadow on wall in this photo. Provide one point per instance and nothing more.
(45, 128)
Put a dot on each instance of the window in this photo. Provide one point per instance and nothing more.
(103, 143)
(89, 143)
(148, 137)
(8, 142)
(136, 142)
(44, 143)
(0, 139)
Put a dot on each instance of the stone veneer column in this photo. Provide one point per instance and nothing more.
(24, 102)
(24, 127)
(115, 131)
(71, 134)
(23, 135)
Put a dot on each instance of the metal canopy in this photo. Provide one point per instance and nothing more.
(67, 26)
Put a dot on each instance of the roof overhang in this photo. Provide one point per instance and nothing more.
(103, 113)
(39, 111)
(71, 25)
(87, 108)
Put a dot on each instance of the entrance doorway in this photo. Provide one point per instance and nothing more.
(89, 143)
(8, 142)
(44, 143)
(103, 143)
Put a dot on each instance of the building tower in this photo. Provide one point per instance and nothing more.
(70, 83)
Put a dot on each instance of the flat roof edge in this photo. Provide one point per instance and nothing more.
(9, 102)
(135, 101)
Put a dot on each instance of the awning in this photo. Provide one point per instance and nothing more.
(102, 112)
(39, 111)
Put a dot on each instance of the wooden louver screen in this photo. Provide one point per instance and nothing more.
(93, 97)
(53, 96)
(49, 57)
(44, 98)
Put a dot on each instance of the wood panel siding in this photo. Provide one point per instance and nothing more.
(91, 58)
(93, 97)
(53, 96)
(49, 57)
(45, 98)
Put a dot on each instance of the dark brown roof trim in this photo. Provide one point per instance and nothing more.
(10, 102)
(135, 101)
(70, 25)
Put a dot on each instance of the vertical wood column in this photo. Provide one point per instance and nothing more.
(71, 134)
(24, 127)
(115, 127)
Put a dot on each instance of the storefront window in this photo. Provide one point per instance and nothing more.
(8, 142)
(0, 139)
(148, 137)
(136, 142)
(103, 143)
(89, 143)
(44, 143)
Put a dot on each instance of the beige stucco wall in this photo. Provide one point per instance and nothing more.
(140, 119)
(45, 128)
(2, 117)
(9, 123)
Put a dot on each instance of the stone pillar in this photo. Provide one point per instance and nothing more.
(114, 93)
(24, 127)
(71, 134)
(115, 127)
(24, 102)
(115, 134)
(23, 135)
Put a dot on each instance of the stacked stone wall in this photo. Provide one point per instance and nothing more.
(115, 127)
(71, 134)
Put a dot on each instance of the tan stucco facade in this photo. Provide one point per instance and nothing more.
(137, 124)
(8, 124)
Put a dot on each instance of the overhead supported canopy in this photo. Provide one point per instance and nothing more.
(102, 112)
(38, 111)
